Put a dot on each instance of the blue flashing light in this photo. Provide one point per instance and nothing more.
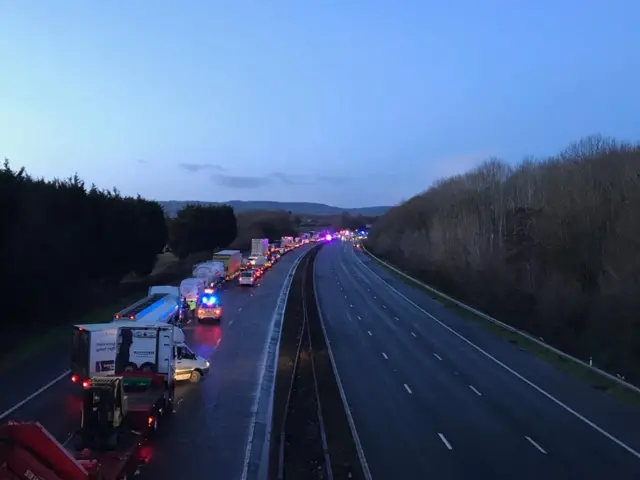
(209, 300)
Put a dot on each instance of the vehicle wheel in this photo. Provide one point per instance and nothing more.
(130, 367)
(195, 376)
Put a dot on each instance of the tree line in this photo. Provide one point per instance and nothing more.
(549, 246)
(65, 245)
(263, 224)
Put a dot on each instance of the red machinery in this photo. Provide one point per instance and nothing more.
(107, 446)
(28, 451)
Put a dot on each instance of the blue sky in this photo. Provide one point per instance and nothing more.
(346, 102)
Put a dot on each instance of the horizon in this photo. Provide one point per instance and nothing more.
(346, 104)
(278, 201)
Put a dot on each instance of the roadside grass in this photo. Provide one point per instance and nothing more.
(563, 364)
(168, 271)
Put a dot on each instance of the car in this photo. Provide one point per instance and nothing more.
(248, 278)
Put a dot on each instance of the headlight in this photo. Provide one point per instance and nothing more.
(206, 362)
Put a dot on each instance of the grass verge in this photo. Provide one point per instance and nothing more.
(168, 271)
(586, 375)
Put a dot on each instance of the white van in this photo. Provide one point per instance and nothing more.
(248, 277)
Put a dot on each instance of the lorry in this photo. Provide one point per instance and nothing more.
(213, 273)
(94, 346)
(259, 247)
(231, 259)
(117, 410)
(162, 302)
(192, 289)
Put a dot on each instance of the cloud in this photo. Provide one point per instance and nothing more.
(240, 181)
(290, 179)
(245, 181)
(197, 167)
(142, 161)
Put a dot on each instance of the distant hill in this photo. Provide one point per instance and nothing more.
(171, 207)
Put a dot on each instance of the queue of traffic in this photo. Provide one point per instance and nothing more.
(128, 369)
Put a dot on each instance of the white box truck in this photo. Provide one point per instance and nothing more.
(259, 247)
(94, 348)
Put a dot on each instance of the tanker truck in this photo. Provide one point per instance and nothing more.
(212, 272)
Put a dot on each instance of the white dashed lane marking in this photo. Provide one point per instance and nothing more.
(445, 441)
(535, 444)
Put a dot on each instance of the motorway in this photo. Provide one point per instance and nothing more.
(435, 396)
(209, 432)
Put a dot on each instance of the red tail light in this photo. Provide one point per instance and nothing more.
(150, 421)
(74, 378)
(86, 384)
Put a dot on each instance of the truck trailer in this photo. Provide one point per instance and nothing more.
(213, 273)
(161, 302)
(232, 260)
(259, 247)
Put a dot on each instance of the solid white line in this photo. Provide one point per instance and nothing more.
(475, 390)
(369, 332)
(406, 387)
(35, 394)
(540, 390)
(437, 356)
(535, 444)
(385, 356)
(445, 441)
(414, 334)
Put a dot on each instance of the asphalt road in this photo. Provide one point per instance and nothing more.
(428, 404)
(209, 431)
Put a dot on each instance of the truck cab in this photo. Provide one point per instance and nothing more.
(189, 366)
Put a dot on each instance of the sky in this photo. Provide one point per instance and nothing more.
(345, 102)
